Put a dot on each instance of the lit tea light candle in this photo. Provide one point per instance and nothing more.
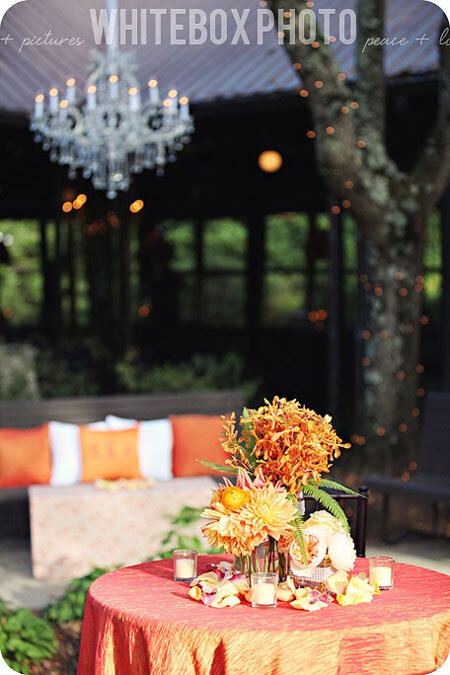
(184, 564)
(381, 576)
(184, 568)
(382, 571)
(263, 594)
(264, 589)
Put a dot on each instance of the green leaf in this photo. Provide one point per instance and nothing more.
(328, 502)
(218, 467)
(333, 485)
(299, 532)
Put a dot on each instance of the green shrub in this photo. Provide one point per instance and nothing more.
(70, 607)
(18, 377)
(204, 372)
(176, 538)
(25, 639)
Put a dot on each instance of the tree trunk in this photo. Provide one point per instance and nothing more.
(391, 360)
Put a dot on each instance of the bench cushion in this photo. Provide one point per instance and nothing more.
(25, 457)
(196, 437)
(109, 454)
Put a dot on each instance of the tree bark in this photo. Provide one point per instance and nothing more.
(388, 407)
(390, 208)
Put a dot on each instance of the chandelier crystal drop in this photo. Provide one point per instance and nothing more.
(116, 131)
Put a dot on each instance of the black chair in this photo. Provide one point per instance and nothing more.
(431, 482)
(354, 507)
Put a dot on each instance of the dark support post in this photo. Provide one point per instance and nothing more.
(445, 223)
(45, 303)
(71, 273)
(199, 268)
(125, 286)
(310, 262)
(335, 328)
(56, 313)
(361, 311)
(255, 279)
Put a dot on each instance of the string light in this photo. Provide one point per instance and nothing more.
(381, 431)
(401, 375)
(137, 206)
(420, 369)
(330, 130)
(405, 477)
(418, 288)
(402, 427)
(341, 76)
(349, 184)
(304, 93)
(311, 134)
(354, 105)
(377, 289)
(412, 466)
(67, 207)
(8, 313)
(270, 161)
(366, 334)
(415, 412)
(297, 66)
(346, 203)
(315, 44)
(318, 84)
(424, 320)
(384, 334)
(420, 392)
(335, 209)
(365, 362)
(144, 311)
(403, 292)
(361, 144)
(345, 109)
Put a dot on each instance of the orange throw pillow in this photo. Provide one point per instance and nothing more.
(196, 437)
(109, 454)
(25, 457)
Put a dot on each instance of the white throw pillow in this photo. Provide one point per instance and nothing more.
(66, 451)
(155, 441)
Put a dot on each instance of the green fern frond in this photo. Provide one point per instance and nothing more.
(223, 468)
(333, 485)
(328, 502)
(299, 532)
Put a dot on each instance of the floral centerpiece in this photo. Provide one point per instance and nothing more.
(279, 453)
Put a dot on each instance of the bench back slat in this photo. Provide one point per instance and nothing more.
(434, 457)
(26, 414)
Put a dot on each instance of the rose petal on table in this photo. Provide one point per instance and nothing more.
(207, 587)
(285, 594)
(224, 601)
(207, 576)
(195, 593)
(227, 588)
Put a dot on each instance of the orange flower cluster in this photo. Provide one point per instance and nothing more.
(241, 518)
(286, 441)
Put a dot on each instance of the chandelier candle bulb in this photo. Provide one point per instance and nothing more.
(153, 92)
(71, 91)
(184, 108)
(113, 87)
(63, 109)
(184, 564)
(134, 101)
(92, 97)
(39, 106)
(54, 100)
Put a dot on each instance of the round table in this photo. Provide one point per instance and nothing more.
(138, 621)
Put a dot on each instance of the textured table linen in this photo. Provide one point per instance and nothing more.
(140, 622)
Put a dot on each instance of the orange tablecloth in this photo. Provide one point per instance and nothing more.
(140, 622)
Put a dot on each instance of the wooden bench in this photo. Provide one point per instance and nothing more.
(25, 414)
(431, 482)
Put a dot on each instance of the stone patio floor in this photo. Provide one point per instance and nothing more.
(19, 589)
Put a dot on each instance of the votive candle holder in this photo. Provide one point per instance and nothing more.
(382, 571)
(264, 589)
(184, 564)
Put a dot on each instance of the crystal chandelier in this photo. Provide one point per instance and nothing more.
(113, 133)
